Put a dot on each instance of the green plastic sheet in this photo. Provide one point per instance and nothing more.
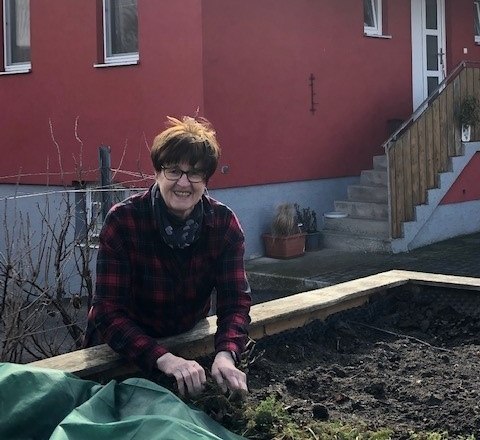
(38, 404)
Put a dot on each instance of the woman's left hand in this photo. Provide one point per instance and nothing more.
(227, 375)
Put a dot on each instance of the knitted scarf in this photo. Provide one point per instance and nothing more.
(176, 233)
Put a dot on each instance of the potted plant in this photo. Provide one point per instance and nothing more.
(468, 115)
(285, 239)
(308, 223)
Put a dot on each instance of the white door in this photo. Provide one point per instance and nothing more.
(428, 48)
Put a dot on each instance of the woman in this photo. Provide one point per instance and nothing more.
(162, 253)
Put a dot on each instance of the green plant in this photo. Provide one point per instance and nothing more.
(307, 218)
(469, 111)
(269, 419)
(285, 222)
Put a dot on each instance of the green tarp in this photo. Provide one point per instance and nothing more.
(38, 404)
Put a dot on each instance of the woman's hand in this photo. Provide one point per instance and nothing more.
(227, 375)
(190, 376)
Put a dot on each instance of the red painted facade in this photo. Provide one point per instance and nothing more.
(114, 105)
(244, 64)
(466, 188)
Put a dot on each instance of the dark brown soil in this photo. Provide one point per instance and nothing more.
(409, 361)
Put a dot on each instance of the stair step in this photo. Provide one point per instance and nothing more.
(359, 226)
(355, 209)
(373, 177)
(367, 193)
(380, 162)
(354, 243)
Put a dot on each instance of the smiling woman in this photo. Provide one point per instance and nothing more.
(161, 255)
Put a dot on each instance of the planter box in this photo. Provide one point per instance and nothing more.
(284, 247)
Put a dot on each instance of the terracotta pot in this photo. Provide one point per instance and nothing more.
(284, 247)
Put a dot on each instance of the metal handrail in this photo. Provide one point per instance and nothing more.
(425, 104)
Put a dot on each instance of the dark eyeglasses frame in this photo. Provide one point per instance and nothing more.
(187, 173)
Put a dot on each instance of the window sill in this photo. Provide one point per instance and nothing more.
(383, 37)
(117, 64)
(16, 72)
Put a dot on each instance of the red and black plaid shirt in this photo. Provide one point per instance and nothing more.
(144, 291)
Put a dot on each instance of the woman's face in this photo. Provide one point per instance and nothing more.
(180, 195)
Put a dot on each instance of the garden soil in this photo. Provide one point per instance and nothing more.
(410, 361)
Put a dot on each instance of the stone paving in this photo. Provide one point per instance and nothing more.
(457, 256)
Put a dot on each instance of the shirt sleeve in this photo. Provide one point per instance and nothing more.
(233, 293)
(110, 310)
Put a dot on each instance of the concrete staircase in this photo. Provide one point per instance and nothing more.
(366, 227)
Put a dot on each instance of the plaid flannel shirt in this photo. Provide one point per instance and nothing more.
(144, 292)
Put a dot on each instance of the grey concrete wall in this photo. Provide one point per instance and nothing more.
(255, 205)
(30, 216)
(449, 221)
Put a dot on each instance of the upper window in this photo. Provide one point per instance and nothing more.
(476, 15)
(120, 26)
(16, 24)
(372, 17)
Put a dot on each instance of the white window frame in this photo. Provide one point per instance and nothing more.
(376, 29)
(11, 67)
(109, 58)
(476, 11)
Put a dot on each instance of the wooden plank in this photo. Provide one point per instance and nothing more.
(266, 319)
(450, 120)
(436, 142)
(422, 161)
(460, 92)
(439, 280)
(429, 148)
(407, 169)
(469, 81)
(394, 222)
(456, 103)
(400, 182)
(280, 325)
(443, 141)
(414, 161)
(476, 92)
(469, 91)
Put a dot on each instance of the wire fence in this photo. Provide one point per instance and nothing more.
(28, 331)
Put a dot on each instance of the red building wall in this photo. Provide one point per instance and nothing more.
(114, 105)
(460, 32)
(258, 59)
(244, 64)
(467, 187)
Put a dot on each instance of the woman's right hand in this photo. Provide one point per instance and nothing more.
(190, 376)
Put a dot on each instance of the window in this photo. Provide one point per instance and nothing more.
(372, 17)
(120, 25)
(16, 25)
(476, 13)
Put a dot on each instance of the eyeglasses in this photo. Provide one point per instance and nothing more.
(193, 176)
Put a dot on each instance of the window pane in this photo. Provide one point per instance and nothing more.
(18, 29)
(431, 11)
(432, 84)
(477, 18)
(369, 13)
(432, 52)
(124, 26)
